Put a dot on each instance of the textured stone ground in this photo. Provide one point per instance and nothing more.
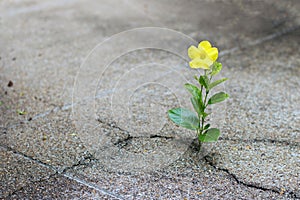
(45, 156)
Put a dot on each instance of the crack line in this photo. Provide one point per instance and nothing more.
(93, 186)
(31, 182)
(82, 162)
(235, 178)
(128, 136)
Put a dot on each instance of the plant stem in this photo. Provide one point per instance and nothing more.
(202, 118)
(199, 116)
(205, 98)
(205, 104)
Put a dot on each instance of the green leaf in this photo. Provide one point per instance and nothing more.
(184, 118)
(216, 68)
(194, 90)
(211, 135)
(197, 97)
(204, 81)
(216, 98)
(197, 105)
(215, 83)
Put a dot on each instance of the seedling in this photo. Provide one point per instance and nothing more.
(204, 57)
(21, 112)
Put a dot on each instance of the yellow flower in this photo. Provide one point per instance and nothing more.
(203, 56)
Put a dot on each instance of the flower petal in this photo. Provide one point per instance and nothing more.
(200, 63)
(205, 45)
(193, 52)
(213, 53)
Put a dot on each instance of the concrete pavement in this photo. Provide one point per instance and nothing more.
(43, 154)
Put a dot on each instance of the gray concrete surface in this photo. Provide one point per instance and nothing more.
(43, 156)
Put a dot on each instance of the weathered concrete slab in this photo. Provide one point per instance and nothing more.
(18, 171)
(264, 88)
(52, 140)
(186, 179)
(44, 42)
(42, 45)
(58, 187)
(261, 129)
(272, 166)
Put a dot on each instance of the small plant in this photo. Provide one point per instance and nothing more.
(203, 57)
(21, 112)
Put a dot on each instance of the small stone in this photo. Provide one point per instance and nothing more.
(248, 147)
(10, 84)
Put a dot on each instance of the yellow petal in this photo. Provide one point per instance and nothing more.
(213, 53)
(200, 63)
(193, 52)
(205, 45)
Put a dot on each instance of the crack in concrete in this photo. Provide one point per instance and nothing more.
(80, 181)
(82, 162)
(86, 161)
(128, 136)
(90, 158)
(93, 186)
(161, 136)
(254, 140)
(290, 194)
(31, 182)
(7, 148)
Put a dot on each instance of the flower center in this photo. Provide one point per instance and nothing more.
(202, 55)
